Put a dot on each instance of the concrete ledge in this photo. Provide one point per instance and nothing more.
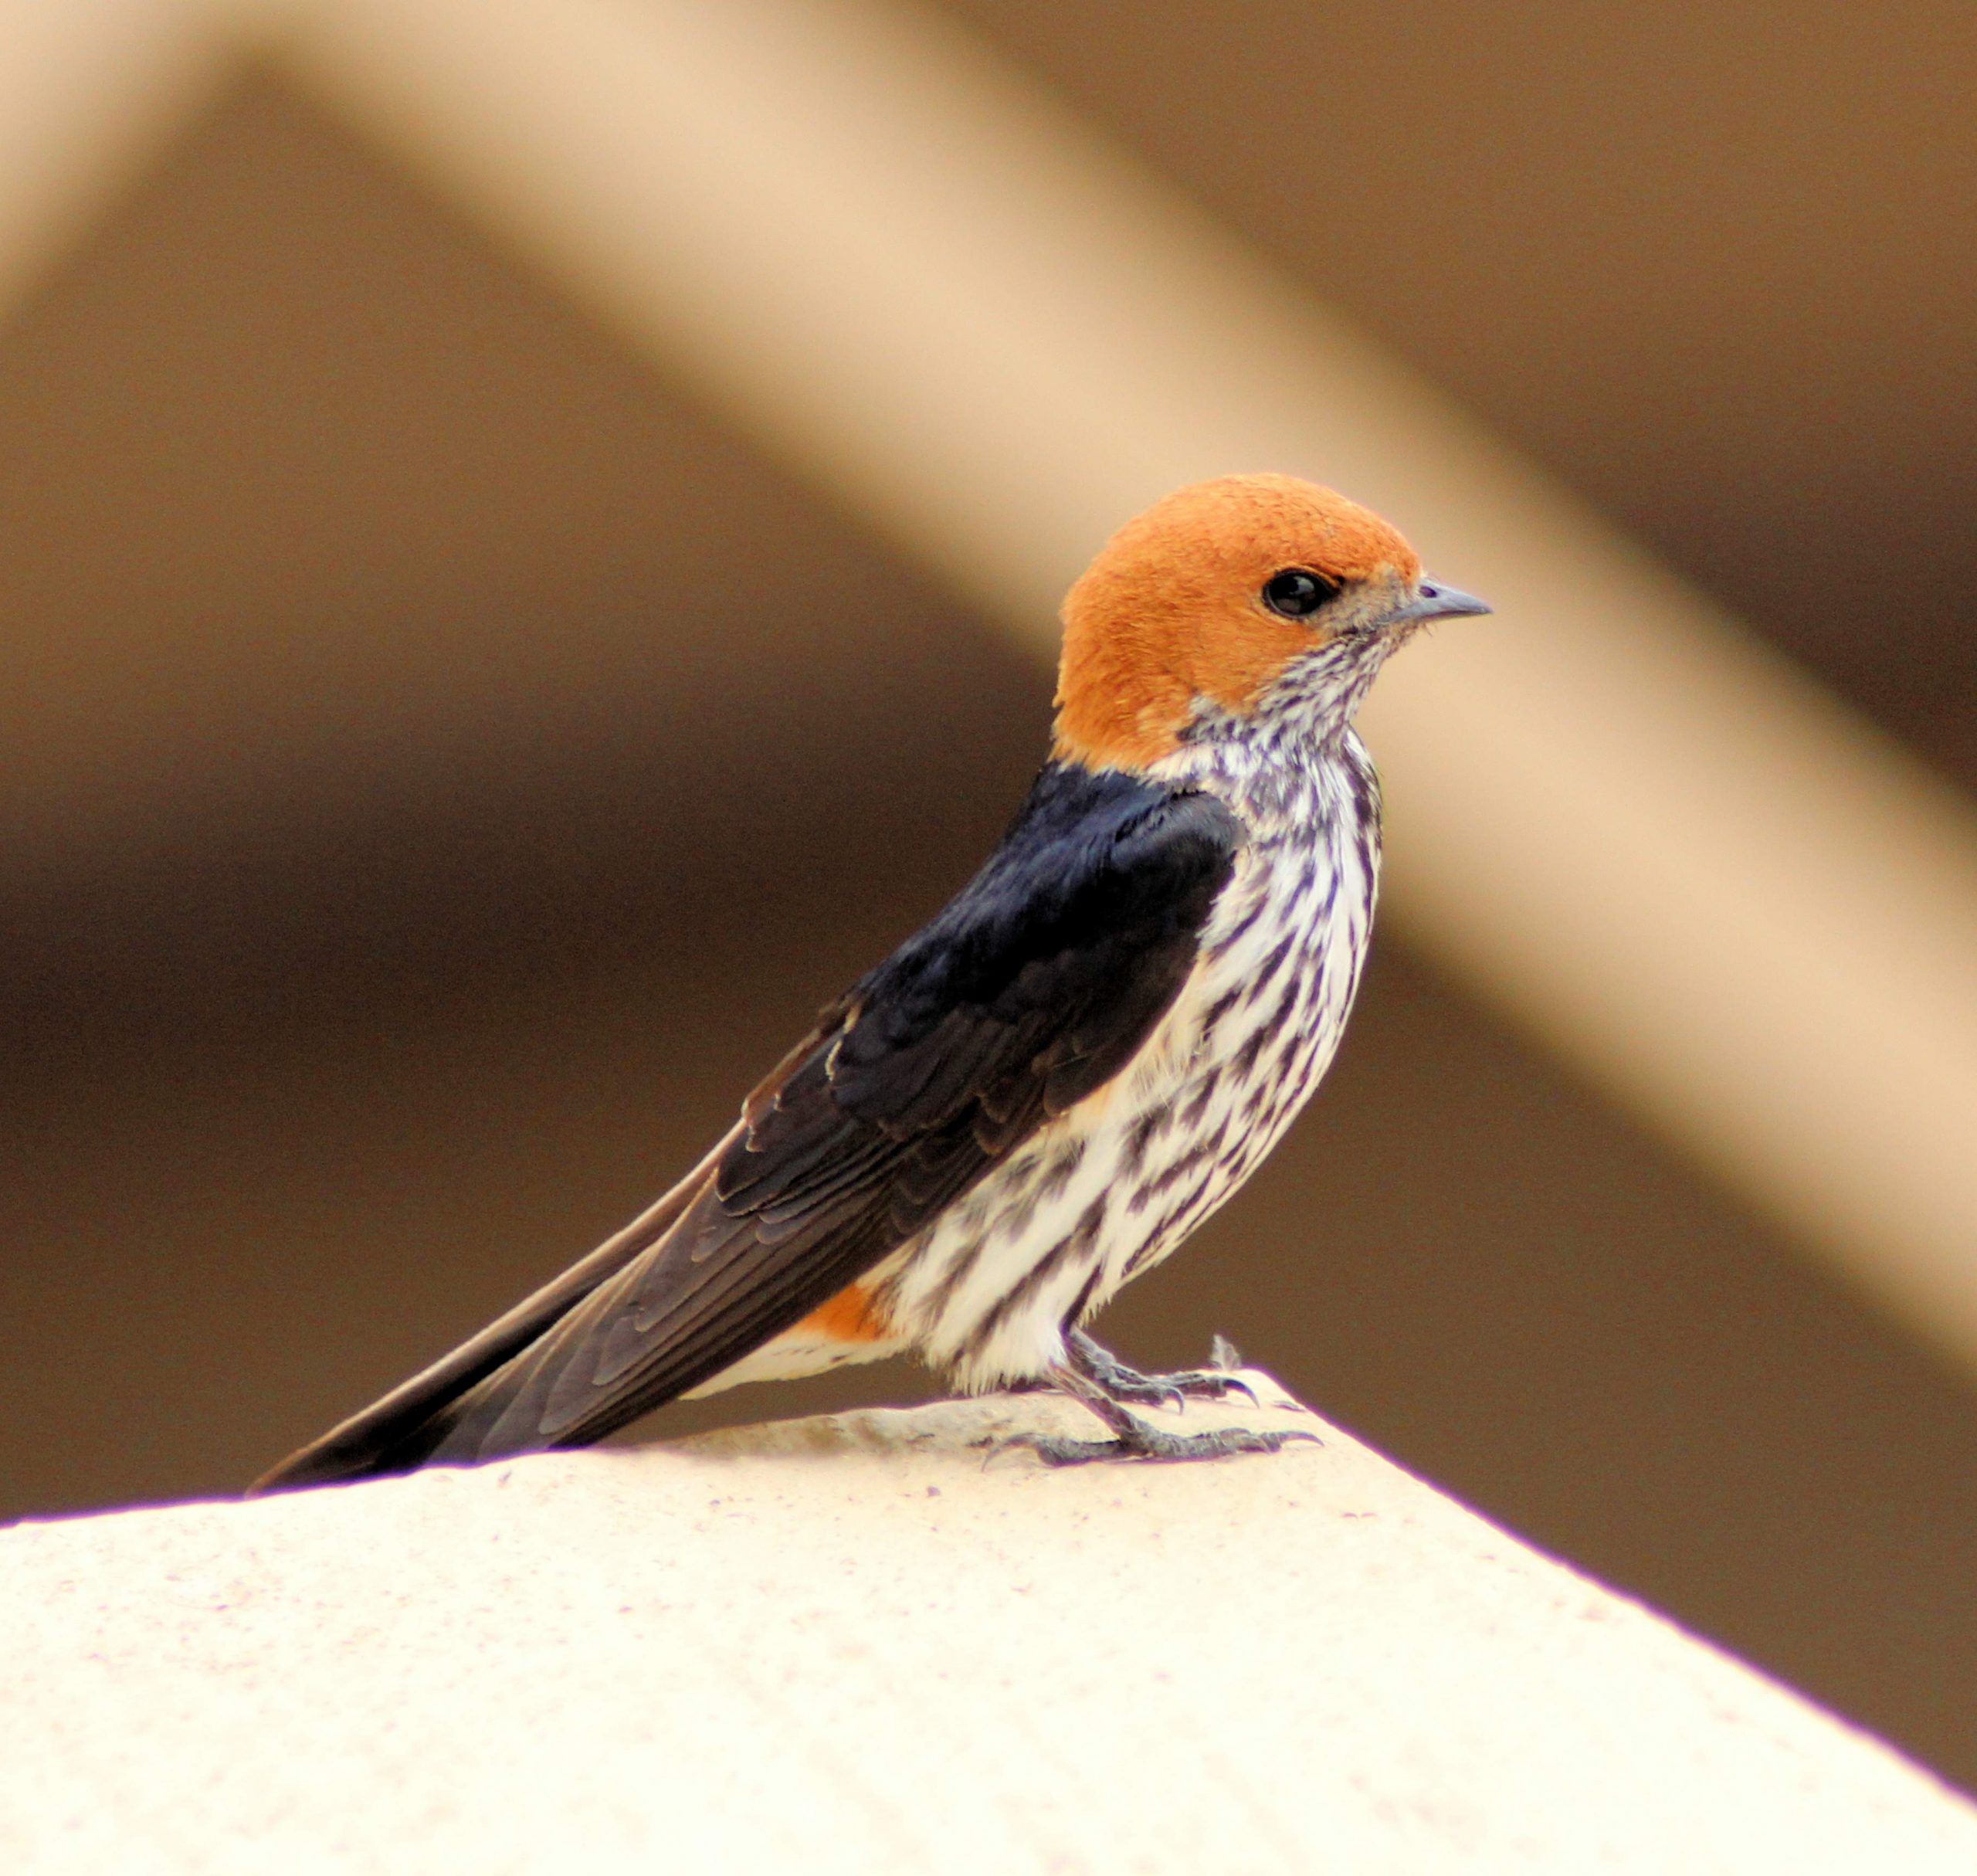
(843, 1643)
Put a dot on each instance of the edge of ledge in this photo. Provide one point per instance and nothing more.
(1309, 1655)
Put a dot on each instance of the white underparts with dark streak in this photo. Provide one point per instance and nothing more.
(1115, 1185)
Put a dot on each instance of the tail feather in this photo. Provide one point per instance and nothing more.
(412, 1423)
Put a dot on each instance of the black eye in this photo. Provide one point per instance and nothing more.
(1297, 594)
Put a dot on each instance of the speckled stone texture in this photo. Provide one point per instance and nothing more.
(849, 1644)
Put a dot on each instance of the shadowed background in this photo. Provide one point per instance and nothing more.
(442, 766)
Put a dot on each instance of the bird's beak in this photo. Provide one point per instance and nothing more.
(1433, 600)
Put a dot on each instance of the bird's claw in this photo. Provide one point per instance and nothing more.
(1137, 1441)
(1139, 1390)
(1129, 1387)
(1180, 1388)
(1212, 1384)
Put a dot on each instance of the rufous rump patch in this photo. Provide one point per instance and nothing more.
(1169, 611)
(850, 1316)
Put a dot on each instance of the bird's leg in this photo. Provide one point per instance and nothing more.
(1132, 1438)
(1117, 1382)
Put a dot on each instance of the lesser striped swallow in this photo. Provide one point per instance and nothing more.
(1042, 1092)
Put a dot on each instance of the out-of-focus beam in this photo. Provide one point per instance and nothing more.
(1697, 876)
(88, 89)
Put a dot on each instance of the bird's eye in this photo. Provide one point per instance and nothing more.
(1297, 593)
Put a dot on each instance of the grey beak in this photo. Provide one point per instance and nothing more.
(1434, 600)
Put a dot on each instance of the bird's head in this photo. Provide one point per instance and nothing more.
(1210, 599)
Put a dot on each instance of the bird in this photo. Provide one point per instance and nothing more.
(1040, 1094)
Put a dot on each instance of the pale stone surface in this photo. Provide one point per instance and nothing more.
(845, 1644)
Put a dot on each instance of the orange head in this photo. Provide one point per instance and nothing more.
(1211, 595)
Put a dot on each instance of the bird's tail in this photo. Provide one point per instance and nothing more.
(411, 1423)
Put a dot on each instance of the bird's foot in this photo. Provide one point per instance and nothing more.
(1136, 1440)
(1113, 1379)
(1132, 1437)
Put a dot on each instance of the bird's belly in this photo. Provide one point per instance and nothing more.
(1110, 1187)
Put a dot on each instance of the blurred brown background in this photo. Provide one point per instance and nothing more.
(442, 765)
